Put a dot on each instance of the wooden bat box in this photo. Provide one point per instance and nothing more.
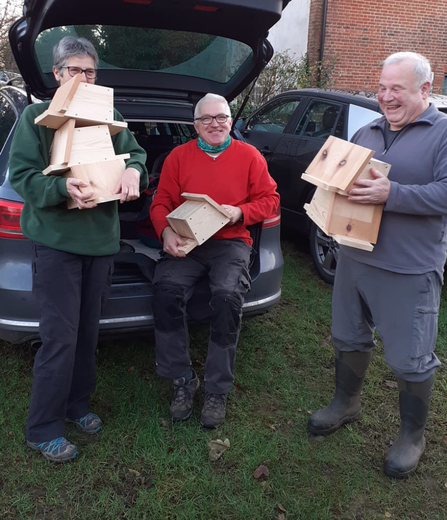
(334, 170)
(88, 104)
(197, 219)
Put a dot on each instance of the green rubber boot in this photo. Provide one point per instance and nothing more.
(350, 370)
(403, 456)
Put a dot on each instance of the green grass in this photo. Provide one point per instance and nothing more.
(141, 466)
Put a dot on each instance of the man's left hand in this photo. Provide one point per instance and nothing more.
(371, 191)
(129, 185)
(235, 213)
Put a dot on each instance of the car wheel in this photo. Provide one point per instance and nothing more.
(324, 251)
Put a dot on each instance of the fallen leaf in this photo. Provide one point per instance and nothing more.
(391, 384)
(134, 472)
(272, 427)
(300, 410)
(217, 448)
(309, 412)
(281, 516)
(131, 369)
(445, 485)
(164, 424)
(10, 433)
(261, 471)
(289, 422)
(281, 508)
(387, 515)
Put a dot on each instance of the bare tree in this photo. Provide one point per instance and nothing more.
(9, 12)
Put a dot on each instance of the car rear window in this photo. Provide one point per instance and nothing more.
(155, 50)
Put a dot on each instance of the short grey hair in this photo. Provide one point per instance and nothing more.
(421, 65)
(71, 46)
(211, 97)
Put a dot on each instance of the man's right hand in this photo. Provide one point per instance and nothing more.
(73, 190)
(172, 241)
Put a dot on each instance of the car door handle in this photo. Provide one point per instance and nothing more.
(265, 151)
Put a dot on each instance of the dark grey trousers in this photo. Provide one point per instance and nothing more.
(403, 307)
(70, 291)
(225, 263)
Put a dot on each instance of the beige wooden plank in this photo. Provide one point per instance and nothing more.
(180, 226)
(201, 197)
(64, 95)
(62, 143)
(353, 242)
(350, 219)
(101, 177)
(190, 245)
(92, 102)
(338, 163)
(56, 169)
(91, 144)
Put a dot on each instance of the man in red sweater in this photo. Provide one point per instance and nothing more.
(235, 175)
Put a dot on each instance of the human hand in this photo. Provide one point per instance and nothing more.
(129, 185)
(371, 191)
(234, 211)
(172, 242)
(83, 200)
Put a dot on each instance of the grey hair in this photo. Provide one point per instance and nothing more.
(211, 97)
(421, 66)
(70, 46)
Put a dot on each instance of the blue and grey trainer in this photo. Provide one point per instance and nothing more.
(90, 423)
(57, 450)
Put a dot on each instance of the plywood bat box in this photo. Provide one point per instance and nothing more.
(88, 104)
(197, 219)
(334, 170)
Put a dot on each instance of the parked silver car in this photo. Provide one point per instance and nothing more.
(160, 58)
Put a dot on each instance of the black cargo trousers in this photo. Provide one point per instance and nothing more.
(70, 291)
(226, 264)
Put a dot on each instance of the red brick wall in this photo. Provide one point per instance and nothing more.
(361, 33)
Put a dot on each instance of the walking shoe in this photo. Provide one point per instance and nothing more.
(213, 411)
(89, 424)
(183, 398)
(57, 450)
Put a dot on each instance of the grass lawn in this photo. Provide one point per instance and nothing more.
(142, 466)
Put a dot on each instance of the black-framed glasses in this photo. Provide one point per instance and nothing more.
(89, 73)
(207, 120)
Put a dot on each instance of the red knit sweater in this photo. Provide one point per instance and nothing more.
(238, 177)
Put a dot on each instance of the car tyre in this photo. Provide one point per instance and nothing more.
(324, 251)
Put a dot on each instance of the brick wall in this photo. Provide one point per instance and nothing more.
(360, 34)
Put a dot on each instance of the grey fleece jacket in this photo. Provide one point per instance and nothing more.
(412, 236)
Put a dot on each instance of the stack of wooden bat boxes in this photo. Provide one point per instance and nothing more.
(334, 170)
(82, 115)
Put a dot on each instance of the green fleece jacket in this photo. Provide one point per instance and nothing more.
(45, 218)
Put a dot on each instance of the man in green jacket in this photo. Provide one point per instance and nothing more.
(72, 263)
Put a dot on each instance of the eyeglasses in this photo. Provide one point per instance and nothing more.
(89, 73)
(206, 120)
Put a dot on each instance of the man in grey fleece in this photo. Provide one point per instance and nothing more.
(395, 288)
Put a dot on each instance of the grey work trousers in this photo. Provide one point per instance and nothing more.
(225, 263)
(70, 290)
(403, 307)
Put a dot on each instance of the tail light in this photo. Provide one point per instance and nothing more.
(273, 220)
(10, 219)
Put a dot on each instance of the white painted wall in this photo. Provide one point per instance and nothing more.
(291, 31)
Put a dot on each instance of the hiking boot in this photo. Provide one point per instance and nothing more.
(350, 370)
(403, 456)
(183, 397)
(213, 411)
(89, 424)
(57, 450)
